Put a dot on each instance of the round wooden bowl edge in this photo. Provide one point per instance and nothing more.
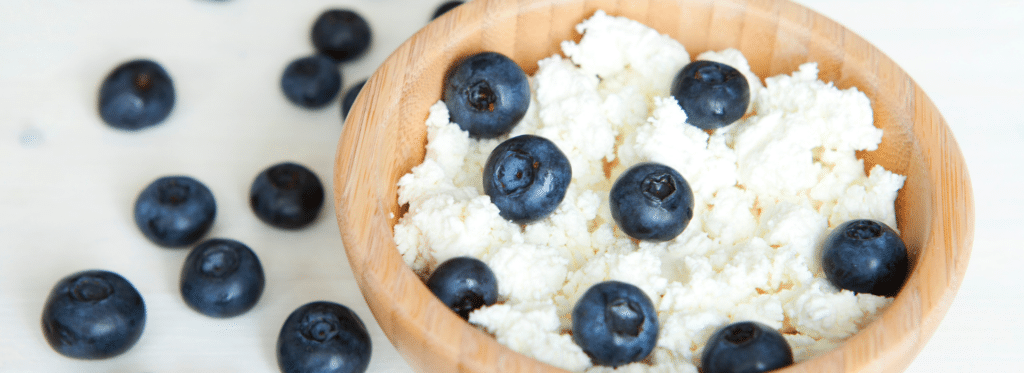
(433, 339)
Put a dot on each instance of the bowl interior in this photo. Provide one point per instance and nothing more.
(384, 138)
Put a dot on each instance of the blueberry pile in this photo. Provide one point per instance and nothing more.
(338, 35)
(98, 314)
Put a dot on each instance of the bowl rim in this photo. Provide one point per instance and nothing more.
(387, 283)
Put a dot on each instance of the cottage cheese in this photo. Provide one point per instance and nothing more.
(767, 189)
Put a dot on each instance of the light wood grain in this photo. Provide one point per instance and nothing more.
(385, 137)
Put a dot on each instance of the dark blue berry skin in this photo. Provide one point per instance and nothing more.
(745, 347)
(135, 95)
(615, 324)
(445, 7)
(221, 278)
(175, 211)
(286, 195)
(464, 284)
(323, 337)
(713, 95)
(311, 82)
(652, 202)
(865, 256)
(341, 34)
(93, 314)
(486, 94)
(526, 177)
(350, 98)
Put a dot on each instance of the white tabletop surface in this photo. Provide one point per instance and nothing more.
(67, 181)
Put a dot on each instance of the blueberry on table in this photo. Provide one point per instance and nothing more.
(135, 95)
(486, 94)
(865, 256)
(615, 324)
(221, 278)
(323, 337)
(712, 94)
(445, 7)
(286, 195)
(526, 177)
(93, 314)
(175, 211)
(311, 82)
(341, 34)
(651, 201)
(745, 347)
(350, 98)
(464, 284)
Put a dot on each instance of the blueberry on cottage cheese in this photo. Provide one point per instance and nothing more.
(221, 278)
(445, 7)
(651, 201)
(286, 195)
(615, 324)
(341, 34)
(712, 94)
(93, 314)
(323, 337)
(311, 81)
(175, 211)
(487, 94)
(526, 177)
(464, 284)
(745, 347)
(136, 95)
(350, 98)
(865, 256)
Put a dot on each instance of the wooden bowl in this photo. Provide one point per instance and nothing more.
(385, 136)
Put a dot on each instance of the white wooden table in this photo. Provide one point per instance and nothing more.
(68, 182)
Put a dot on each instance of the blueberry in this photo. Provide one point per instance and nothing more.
(526, 177)
(713, 95)
(221, 278)
(445, 7)
(135, 95)
(341, 34)
(865, 256)
(651, 201)
(286, 195)
(487, 94)
(175, 211)
(93, 314)
(464, 284)
(350, 98)
(311, 81)
(745, 347)
(615, 324)
(323, 337)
